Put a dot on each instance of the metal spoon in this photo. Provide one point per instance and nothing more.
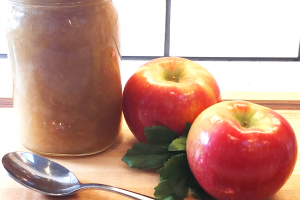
(43, 175)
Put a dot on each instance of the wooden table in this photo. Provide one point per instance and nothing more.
(107, 167)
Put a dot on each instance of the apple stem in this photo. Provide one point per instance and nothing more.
(245, 123)
(173, 78)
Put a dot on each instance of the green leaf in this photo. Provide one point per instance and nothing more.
(197, 190)
(146, 156)
(170, 198)
(178, 144)
(174, 179)
(176, 191)
(166, 149)
(187, 129)
(159, 135)
(176, 164)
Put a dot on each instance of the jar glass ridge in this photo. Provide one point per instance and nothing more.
(67, 86)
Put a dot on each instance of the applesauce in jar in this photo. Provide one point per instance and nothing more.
(67, 87)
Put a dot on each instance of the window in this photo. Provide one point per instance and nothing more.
(234, 28)
(4, 5)
(248, 46)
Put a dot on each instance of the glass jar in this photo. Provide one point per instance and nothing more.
(67, 86)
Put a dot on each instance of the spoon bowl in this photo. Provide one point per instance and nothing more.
(48, 177)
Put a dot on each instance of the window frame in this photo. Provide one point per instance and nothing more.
(167, 49)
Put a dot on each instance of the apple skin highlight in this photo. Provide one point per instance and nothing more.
(169, 92)
(233, 160)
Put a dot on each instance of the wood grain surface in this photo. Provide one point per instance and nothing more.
(107, 167)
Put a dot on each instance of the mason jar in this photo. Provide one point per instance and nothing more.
(65, 58)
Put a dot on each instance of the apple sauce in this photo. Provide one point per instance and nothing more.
(67, 86)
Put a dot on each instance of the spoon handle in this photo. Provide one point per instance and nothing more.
(116, 190)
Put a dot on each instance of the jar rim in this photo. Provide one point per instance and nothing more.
(54, 2)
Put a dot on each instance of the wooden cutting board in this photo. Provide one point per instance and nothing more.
(107, 167)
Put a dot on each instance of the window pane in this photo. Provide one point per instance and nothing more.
(6, 85)
(255, 76)
(242, 76)
(142, 25)
(231, 77)
(234, 28)
(4, 11)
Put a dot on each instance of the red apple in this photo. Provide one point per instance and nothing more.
(167, 91)
(241, 151)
